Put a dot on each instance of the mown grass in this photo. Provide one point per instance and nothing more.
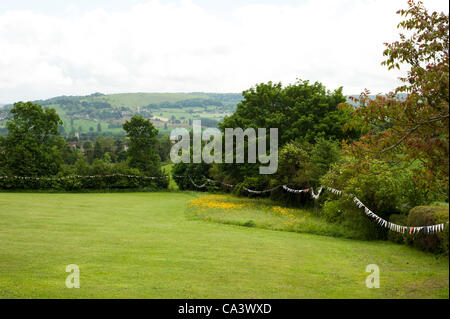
(141, 245)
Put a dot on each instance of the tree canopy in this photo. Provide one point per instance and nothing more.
(33, 146)
(412, 131)
(301, 111)
(142, 152)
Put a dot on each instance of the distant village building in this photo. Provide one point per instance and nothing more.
(75, 144)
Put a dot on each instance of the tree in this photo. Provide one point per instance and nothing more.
(410, 126)
(323, 154)
(301, 112)
(164, 146)
(89, 151)
(87, 145)
(142, 151)
(98, 150)
(99, 127)
(295, 165)
(72, 155)
(33, 146)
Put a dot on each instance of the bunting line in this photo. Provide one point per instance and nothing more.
(380, 221)
(198, 186)
(430, 229)
(260, 192)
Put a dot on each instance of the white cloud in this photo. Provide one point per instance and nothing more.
(177, 47)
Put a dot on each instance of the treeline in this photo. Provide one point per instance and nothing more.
(224, 101)
(34, 148)
(194, 102)
(313, 125)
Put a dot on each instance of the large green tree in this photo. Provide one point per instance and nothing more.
(301, 111)
(33, 146)
(412, 129)
(142, 151)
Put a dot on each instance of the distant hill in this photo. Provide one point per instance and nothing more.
(104, 113)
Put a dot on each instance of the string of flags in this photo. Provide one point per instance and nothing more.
(296, 191)
(198, 186)
(208, 180)
(260, 192)
(214, 182)
(380, 221)
(430, 229)
(316, 196)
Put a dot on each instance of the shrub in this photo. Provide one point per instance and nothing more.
(411, 195)
(294, 169)
(379, 190)
(104, 176)
(182, 174)
(425, 216)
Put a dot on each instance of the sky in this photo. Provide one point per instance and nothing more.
(62, 47)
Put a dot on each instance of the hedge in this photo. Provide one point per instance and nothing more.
(67, 183)
(425, 216)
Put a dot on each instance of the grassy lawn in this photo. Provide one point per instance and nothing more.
(141, 245)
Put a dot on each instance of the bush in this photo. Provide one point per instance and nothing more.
(182, 174)
(81, 176)
(379, 190)
(294, 169)
(425, 216)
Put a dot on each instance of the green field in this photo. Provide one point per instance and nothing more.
(134, 100)
(144, 245)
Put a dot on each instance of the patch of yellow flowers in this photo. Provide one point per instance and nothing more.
(286, 212)
(207, 201)
(289, 213)
(219, 202)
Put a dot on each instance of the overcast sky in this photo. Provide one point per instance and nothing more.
(63, 47)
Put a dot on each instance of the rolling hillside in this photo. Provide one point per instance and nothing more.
(104, 113)
(98, 112)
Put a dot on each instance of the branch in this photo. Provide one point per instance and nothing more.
(409, 132)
